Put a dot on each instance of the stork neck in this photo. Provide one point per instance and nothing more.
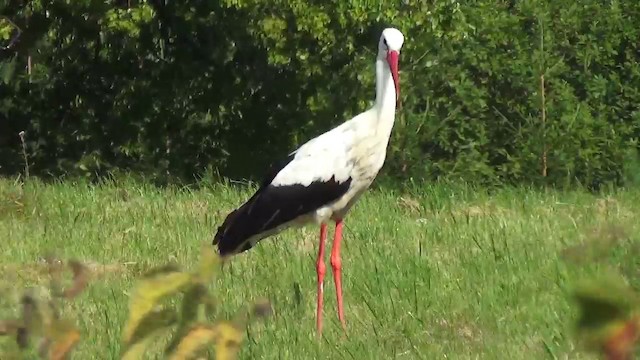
(385, 106)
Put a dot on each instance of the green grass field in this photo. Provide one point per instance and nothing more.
(443, 272)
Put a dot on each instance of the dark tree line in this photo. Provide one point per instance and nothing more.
(533, 91)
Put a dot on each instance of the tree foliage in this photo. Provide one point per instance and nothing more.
(492, 91)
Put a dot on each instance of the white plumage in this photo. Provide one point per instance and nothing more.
(324, 177)
(356, 149)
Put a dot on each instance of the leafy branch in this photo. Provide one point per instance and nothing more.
(193, 334)
(609, 309)
(609, 320)
(149, 319)
(40, 319)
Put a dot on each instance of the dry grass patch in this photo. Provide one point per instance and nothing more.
(39, 271)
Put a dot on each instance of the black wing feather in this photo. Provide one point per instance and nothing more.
(272, 206)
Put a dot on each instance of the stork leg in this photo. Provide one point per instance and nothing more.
(321, 270)
(336, 265)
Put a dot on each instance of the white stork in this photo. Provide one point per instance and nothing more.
(323, 178)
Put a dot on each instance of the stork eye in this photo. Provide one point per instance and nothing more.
(385, 43)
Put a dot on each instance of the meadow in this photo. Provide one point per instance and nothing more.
(432, 271)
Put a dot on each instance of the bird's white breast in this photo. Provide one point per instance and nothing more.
(367, 153)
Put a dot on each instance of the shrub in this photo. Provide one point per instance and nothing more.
(533, 91)
(150, 315)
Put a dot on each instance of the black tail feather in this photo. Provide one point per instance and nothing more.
(230, 238)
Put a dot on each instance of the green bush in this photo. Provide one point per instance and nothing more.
(171, 89)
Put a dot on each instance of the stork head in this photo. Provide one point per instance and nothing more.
(389, 47)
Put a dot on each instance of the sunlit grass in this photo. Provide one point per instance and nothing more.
(440, 270)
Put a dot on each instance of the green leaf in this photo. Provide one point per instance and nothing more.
(604, 300)
(608, 319)
(209, 262)
(149, 292)
(148, 328)
(190, 313)
(193, 342)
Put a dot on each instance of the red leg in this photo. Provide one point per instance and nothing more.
(336, 265)
(321, 270)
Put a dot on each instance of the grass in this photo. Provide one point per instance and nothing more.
(442, 271)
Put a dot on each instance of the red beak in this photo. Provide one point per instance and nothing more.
(392, 59)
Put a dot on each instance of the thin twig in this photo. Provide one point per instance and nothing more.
(29, 66)
(543, 103)
(24, 154)
(544, 132)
